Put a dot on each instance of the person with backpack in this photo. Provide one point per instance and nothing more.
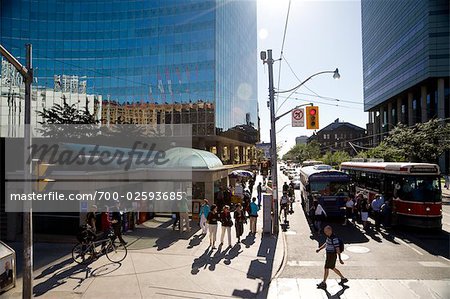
(333, 247)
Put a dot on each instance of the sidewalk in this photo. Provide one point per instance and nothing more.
(163, 263)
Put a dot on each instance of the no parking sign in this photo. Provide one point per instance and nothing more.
(298, 117)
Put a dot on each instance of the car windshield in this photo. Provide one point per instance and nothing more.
(330, 188)
(418, 189)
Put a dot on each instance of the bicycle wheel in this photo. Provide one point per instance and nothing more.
(82, 253)
(116, 252)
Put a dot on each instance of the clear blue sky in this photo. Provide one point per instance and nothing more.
(321, 35)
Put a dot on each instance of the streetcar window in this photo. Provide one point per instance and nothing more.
(419, 189)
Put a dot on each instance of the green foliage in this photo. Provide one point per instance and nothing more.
(424, 142)
(386, 152)
(303, 152)
(336, 158)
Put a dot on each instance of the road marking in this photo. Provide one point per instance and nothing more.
(357, 249)
(305, 263)
(434, 264)
(404, 243)
(290, 232)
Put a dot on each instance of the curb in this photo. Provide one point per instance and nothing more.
(283, 260)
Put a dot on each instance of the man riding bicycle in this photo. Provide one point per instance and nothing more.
(284, 201)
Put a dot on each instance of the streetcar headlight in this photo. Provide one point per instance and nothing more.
(409, 210)
(427, 209)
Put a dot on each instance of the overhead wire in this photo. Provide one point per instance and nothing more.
(282, 48)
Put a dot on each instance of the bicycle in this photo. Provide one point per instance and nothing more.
(85, 252)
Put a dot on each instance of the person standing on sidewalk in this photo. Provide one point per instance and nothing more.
(253, 215)
(364, 209)
(333, 251)
(204, 211)
(259, 193)
(349, 209)
(240, 219)
(376, 209)
(227, 223)
(319, 216)
(184, 216)
(116, 220)
(213, 218)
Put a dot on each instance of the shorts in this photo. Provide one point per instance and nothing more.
(364, 216)
(330, 262)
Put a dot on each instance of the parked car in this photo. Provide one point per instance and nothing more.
(296, 182)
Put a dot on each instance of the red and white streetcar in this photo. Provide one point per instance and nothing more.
(414, 188)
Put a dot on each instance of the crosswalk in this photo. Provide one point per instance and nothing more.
(360, 289)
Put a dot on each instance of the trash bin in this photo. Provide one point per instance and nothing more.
(7, 267)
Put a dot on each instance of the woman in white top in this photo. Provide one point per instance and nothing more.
(349, 209)
(319, 215)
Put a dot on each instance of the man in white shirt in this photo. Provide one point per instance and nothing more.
(376, 208)
(349, 209)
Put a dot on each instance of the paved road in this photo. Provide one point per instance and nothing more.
(407, 262)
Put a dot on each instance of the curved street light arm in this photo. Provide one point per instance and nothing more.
(335, 72)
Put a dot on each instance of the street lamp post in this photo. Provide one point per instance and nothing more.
(266, 57)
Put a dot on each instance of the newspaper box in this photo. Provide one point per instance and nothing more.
(7, 267)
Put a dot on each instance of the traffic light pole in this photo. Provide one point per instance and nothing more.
(27, 74)
(273, 145)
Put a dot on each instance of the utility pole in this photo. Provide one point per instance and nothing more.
(273, 144)
(27, 73)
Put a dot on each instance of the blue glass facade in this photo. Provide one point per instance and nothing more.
(141, 51)
(404, 43)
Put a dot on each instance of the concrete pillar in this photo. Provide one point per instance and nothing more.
(382, 122)
(232, 154)
(390, 119)
(375, 128)
(219, 149)
(441, 98)
(209, 192)
(411, 118)
(399, 110)
(423, 104)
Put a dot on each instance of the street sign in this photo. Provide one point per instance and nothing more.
(298, 117)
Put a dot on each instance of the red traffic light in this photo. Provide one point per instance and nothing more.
(312, 111)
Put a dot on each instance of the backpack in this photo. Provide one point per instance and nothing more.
(341, 244)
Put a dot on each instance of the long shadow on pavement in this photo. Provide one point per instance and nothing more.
(261, 268)
(338, 294)
(207, 258)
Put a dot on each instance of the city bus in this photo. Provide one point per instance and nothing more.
(414, 188)
(330, 186)
(311, 163)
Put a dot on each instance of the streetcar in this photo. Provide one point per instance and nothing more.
(330, 186)
(311, 163)
(414, 188)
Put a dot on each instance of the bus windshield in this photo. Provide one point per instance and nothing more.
(418, 189)
(330, 188)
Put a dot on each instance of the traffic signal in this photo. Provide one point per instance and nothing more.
(40, 172)
(312, 117)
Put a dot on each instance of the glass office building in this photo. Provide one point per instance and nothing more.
(406, 64)
(182, 61)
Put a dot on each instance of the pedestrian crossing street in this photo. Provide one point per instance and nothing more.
(360, 289)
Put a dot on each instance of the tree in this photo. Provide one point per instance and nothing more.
(335, 158)
(424, 142)
(303, 152)
(55, 119)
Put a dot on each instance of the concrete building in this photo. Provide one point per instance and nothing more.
(301, 139)
(406, 64)
(340, 136)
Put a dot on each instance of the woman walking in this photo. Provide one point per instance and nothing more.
(240, 219)
(319, 216)
(204, 211)
(364, 210)
(213, 217)
(227, 223)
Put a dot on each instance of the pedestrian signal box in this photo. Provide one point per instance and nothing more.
(312, 117)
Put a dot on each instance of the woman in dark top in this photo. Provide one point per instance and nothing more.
(239, 217)
(213, 218)
(364, 209)
(227, 223)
